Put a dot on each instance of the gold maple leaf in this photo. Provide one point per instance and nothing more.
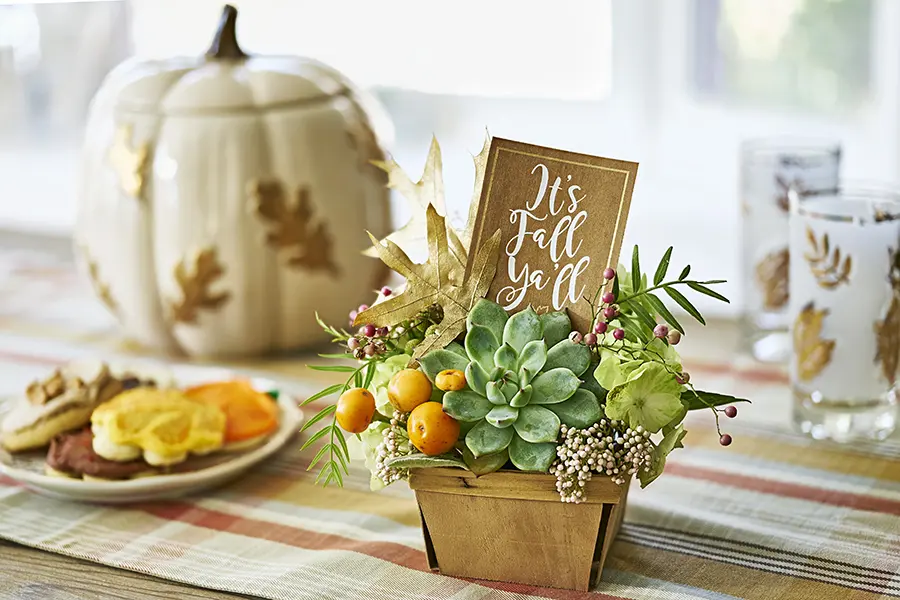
(480, 160)
(101, 288)
(130, 164)
(310, 245)
(195, 286)
(428, 191)
(813, 353)
(433, 283)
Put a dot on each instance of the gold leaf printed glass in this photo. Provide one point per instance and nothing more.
(769, 168)
(845, 312)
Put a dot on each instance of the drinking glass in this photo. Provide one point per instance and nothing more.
(845, 312)
(769, 169)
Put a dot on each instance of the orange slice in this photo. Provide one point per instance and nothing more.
(249, 413)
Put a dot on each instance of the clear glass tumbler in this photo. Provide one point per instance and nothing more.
(845, 312)
(769, 169)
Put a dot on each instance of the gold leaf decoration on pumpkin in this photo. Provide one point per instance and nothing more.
(101, 288)
(433, 283)
(825, 264)
(772, 278)
(812, 352)
(428, 191)
(887, 330)
(129, 162)
(364, 142)
(309, 245)
(195, 284)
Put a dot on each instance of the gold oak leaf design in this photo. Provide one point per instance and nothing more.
(309, 244)
(772, 278)
(825, 265)
(431, 283)
(129, 163)
(195, 287)
(887, 330)
(428, 191)
(100, 287)
(813, 353)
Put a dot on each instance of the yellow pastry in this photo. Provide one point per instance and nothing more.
(163, 426)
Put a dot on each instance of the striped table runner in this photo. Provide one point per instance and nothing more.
(773, 516)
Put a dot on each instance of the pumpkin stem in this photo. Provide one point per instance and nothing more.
(224, 44)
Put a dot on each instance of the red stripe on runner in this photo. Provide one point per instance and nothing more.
(788, 490)
(753, 374)
(297, 537)
(30, 358)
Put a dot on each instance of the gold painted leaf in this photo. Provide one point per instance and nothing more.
(101, 288)
(772, 278)
(812, 352)
(437, 281)
(428, 191)
(480, 161)
(309, 244)
(130, 163)
(826, 265)
(195, 286)
(887, 339)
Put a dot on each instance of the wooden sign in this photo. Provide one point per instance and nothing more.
(562, 217)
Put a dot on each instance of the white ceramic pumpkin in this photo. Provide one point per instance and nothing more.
(224, 200)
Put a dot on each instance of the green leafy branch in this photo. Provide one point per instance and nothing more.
(640, 309)
(337, 335)
(336, 447)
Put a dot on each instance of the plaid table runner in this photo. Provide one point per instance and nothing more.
(773, 516)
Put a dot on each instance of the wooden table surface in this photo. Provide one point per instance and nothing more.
(30, 574)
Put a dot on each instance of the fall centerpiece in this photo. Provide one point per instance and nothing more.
(516, 368)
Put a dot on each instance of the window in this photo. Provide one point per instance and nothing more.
(673, 84)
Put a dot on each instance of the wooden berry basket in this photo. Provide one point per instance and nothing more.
(512, 526)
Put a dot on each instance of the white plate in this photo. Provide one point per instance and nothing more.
(28, 468)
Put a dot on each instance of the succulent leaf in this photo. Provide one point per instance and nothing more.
(532, 357)
(505, 358)
(522, 397)
(502, 416)
(494, 394)
(557, 327)
(537, 424)
(457, 348)
(510, 387)
(418, 460)
(531, 457)
(521, 328)
(568, 354)
(488, 314)
(581, 410)
(554, 386)
(466, 405)
(486, 439)
(485, 464)
(476, 378)
(481, 346)
(438, 360)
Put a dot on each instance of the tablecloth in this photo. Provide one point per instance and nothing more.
(773, 516)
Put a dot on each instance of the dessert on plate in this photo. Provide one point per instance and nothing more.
(161, 426)
(251, 416)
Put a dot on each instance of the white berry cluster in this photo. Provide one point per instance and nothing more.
(395, 443)
(607, 447)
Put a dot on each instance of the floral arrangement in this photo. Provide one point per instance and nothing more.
(446, 378)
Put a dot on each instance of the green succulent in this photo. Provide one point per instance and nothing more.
(522, 382)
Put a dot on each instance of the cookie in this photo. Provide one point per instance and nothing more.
(251, 415)
(61, 402)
